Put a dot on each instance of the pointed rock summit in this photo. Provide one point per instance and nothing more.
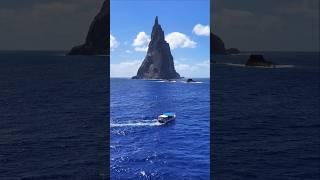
(158, 63)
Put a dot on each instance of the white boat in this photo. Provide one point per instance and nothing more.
(166, 117)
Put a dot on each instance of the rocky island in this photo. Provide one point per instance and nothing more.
(158, 63)
(258, 60)
(98, 36)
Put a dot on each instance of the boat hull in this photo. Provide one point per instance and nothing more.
(165, 121)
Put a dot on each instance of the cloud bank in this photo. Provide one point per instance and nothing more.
(125, 69)
(130, 68)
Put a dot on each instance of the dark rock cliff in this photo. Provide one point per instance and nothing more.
(97, 41)
(158, 63)
(217, 45)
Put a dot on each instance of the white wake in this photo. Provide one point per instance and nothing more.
(137, 123)
(274, 66)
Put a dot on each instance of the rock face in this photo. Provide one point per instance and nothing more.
(258, 60)
(158, 63)
(217, 45)
(98, 36)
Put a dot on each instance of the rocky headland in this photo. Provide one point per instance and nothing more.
(98, 37)
(219, 48)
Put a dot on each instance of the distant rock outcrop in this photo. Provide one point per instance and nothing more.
(258, 60)
(98, 36)
(190, 80)
(217, 44)
(158, 63)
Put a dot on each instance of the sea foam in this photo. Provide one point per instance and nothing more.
(137, 123)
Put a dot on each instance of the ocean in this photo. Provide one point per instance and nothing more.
(53, 116)
(266, 120)
(54, 120)
(141, 148)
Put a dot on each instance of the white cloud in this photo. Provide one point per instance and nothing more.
(201, 69)
(141, 39)
(180, 40)
(141, 49)
(141, 42)
(175, 40)
(125, 69)
(113, 42)
(201, 30)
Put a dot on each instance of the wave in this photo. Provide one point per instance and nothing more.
(137, 123)
(285, 66)
(233, 64)
(166, 81)
(197, 82)
(275, 66)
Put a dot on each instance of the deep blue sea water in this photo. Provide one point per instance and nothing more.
(266, 122)
(53, 116)
(143, 149)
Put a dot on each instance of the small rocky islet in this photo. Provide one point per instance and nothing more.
(258, 60)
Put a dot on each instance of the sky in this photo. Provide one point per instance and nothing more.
(270, 25)
(267, 25)
(45, 24)
(186, 27)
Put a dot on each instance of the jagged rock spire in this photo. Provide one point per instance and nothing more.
(157, 34)
(158, 63)
(156, 21)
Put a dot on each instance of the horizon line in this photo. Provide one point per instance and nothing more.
(65, 50)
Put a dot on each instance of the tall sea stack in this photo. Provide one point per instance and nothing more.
(98, 36)
(158, 63)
